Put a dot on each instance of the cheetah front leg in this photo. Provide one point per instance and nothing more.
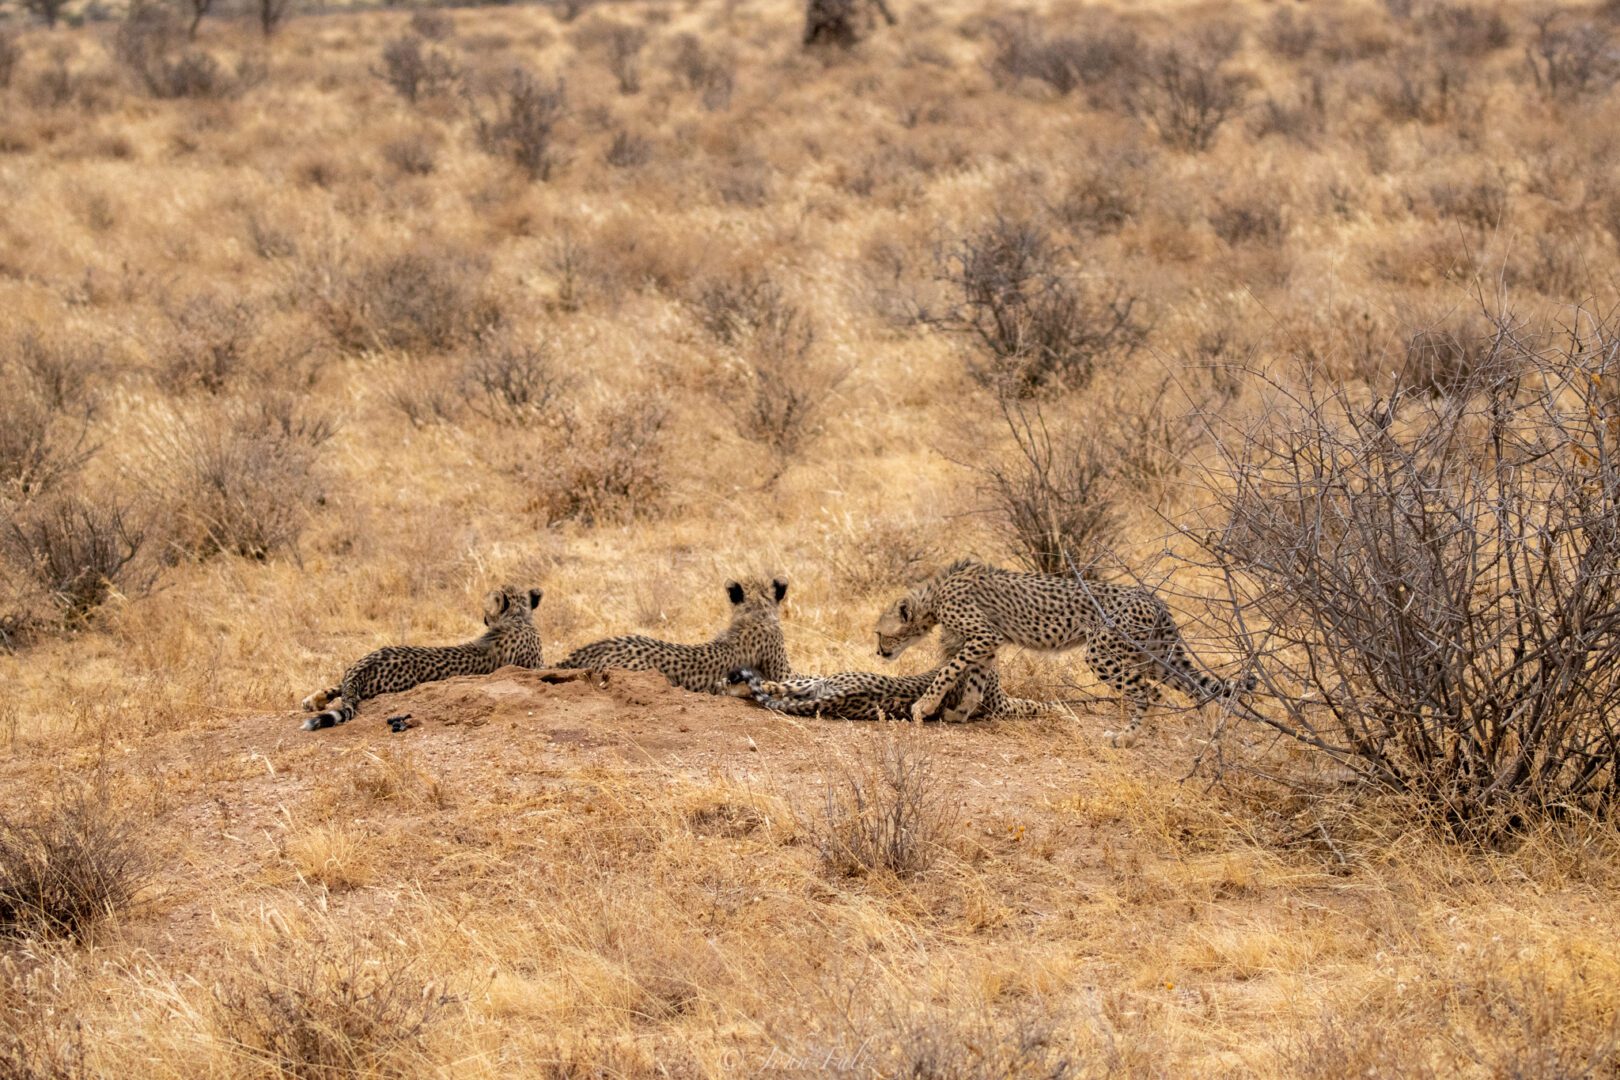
(979, 650)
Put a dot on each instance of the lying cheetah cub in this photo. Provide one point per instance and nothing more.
(753, 640)
(1129, 635)
(509, 639)
(865, 695)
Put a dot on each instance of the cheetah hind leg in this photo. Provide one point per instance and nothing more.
(1138, 694)
(320, 699)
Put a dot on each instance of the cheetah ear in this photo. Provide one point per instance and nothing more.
(735, 591)
(534, 598)
(779, 585)
(495, 603)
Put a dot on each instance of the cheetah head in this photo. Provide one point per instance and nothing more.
(752, 598)
(510, 604)
(904, 624)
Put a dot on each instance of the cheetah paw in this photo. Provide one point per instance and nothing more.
(1124, 740)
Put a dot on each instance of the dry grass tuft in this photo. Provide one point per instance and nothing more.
(332, 1006)
(68, 867)
(885, 813)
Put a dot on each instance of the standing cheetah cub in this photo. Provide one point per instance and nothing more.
(1129, 635)
(753, 640)
(509, 639)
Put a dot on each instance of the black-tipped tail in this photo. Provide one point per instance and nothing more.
(342, 714)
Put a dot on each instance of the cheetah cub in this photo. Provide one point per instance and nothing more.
(509, 639)
(866, 695)
(1129, 636)
(753, 640)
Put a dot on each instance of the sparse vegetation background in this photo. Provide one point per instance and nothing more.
(315, 324)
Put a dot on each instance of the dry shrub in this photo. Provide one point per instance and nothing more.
(76, 551)
(511, 382)
(68, 867)
(153, 45)
(842, 23)
(624, 45)
(1434, 575)
(1037, 326)
(10, 57)
(431, 24)
(962, 1044)
(1187, 95)
(881, 553)
(209, 344)
(1104, 191)
(627, 150)
(711, 75)
(45, 412)
(326, 1006)
(781, 389)
(424, 394)
(1105, 61)
(416, 155)
(607, 468)
(1568, 61)
(1301, 118)
(516, 118)
(1254, 217)
(241, 479)
(426, 298)
(1289, 35)
(1417, 85)
(886, 811)
(1053, 500)
(1481, 202)
(1466, 30)
(415, 72)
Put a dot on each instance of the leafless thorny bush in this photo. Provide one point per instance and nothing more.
(886, 811)
(415, 71)
(425, 298)
(1429, 579)
(1187, 94)
(10, 57)
(515, 117)
(327, 1007)
(1053, 500)
(1567, 61)
(1037, 325)
(209, 344)
(68, 867)
(710, 74)
(604, 468)
(782, 389)
(242, 479)
(76, 550)
(46, 406)
(624, 46)
(155, 47)
(843, 23)
(1419, 85)
(1104, 61)
(510, 381)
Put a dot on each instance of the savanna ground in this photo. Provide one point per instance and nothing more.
(308, 341)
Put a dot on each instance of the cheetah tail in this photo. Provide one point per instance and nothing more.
(338, 714)
(742, 682)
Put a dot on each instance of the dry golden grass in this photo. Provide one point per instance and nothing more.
(283, 302)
